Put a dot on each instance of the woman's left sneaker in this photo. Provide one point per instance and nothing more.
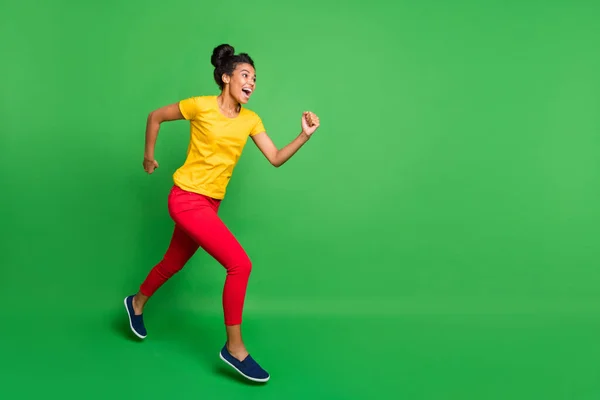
(247, 368)
(136, 322)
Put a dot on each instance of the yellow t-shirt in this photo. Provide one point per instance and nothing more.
(216, 144)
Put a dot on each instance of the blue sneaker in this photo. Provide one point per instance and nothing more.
(136, 322)
(248, 368)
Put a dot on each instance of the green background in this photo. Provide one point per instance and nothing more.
(437, 239)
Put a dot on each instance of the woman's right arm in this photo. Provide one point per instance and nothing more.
(169, 112)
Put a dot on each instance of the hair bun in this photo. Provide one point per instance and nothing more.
(220, 54)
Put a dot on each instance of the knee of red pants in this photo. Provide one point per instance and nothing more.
(173, 263)
(242, 267)
(162, 272)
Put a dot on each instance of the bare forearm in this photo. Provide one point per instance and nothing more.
(152, 128)
(170, 112)
(290, 149)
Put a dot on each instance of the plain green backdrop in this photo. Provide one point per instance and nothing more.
(436, 239)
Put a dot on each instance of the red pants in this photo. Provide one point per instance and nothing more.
(198, 225)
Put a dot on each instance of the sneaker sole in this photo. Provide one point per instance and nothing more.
(241, 373)
(130, 324)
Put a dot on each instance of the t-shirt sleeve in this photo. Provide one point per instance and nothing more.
(258, 127)
(190, 107)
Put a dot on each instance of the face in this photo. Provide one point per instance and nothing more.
(242, 82)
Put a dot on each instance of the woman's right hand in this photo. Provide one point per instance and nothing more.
(150, 165)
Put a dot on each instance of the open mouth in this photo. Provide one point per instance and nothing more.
(247, 91)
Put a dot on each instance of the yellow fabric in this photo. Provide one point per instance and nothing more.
(216, 144)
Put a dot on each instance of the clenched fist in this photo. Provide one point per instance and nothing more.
(310, 122)
(150, 165)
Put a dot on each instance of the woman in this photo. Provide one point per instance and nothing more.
(219, 129)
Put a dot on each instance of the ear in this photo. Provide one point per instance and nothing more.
(225, 78)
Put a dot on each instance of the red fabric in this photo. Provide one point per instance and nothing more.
(197, 224)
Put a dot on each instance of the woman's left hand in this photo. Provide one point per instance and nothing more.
(310, 123)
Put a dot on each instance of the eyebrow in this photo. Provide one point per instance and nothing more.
(248, 72)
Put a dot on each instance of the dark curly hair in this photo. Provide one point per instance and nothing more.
(225, 60)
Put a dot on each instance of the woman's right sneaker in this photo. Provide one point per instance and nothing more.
(248, 368)
(136, 322)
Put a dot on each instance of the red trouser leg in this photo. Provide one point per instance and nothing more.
(181, 249)
(198, 224)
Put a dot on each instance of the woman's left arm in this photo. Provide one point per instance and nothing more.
(278, 157)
